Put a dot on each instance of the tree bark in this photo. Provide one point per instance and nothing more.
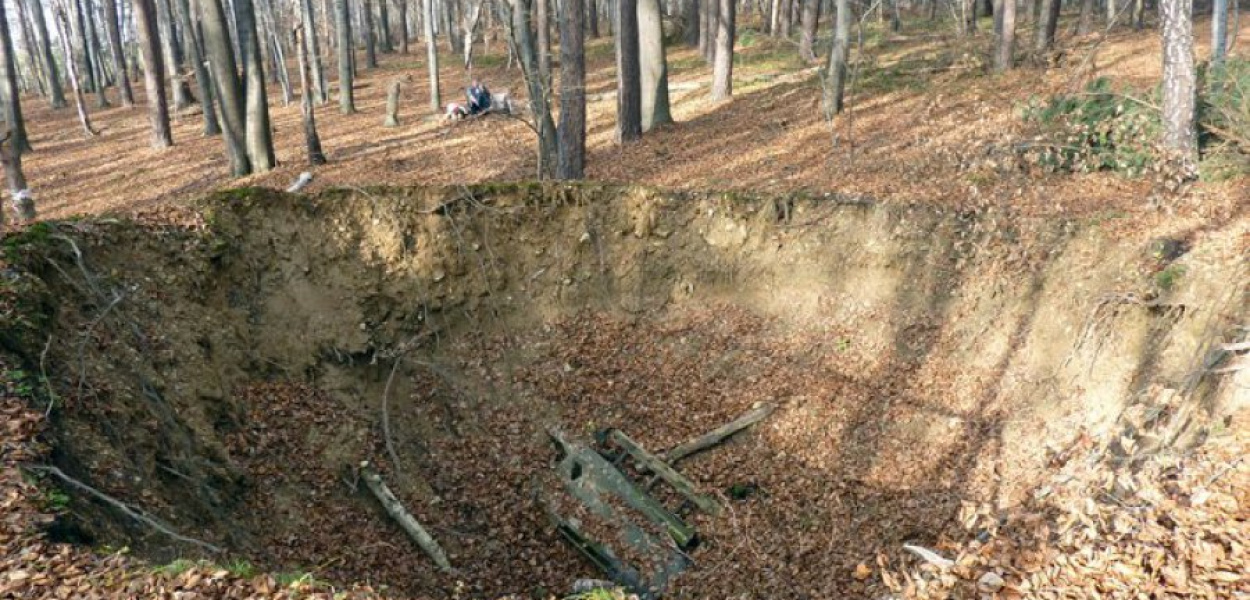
(1180, 89)
(1219, 31)
(403, 26)
(347, 99)
(807, 35)
(384, 22)
(258, 136)
(220, 54)
(544, 41)
(723, 66)
(693, 23)
(311, 140)
(592, 7)
(711, 20)
(628, 73)
(84, 118)
(835, 79)
(34, 60)
(95, 56)
(172, 55)
(1047, 24)
(1085, 23)
(571, 160)
(392, 104)
(371, 52)
(85, 64)
(16, 180)
(1006, 37)
(153, 73)
(112, 29)
(470, 25)
(653, 66)
(203, 82)
(56, 94)
(431, 55)
(321, 92)
(12, 101)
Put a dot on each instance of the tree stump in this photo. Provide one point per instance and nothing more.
(392, 104)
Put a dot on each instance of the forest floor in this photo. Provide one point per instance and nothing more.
(925, 124)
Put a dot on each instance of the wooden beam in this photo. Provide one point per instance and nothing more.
(662, 469)
(718, 435)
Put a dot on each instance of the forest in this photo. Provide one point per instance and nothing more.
(624, 299)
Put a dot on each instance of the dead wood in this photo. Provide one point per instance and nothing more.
(396, 510)
(684, 486)
(718, 435)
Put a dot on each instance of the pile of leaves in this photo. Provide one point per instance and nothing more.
(1113, 523)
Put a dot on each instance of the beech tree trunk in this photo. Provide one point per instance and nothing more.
(96, 56)
(258, 137)
(1219, 31)
(153, 73)
(371, 52)
(1006, 37)
(12, 100)
(203, 82)
(321, 93)
(1086, 22)
(628, 73)
(653, 66)
(85, 67)
(807, 36)
(835, 79)
(347, 98)
(431, 55)
(694, 23)
(1047, 24)
(55, 93)
(592, 7)
(37, 82)
(711, 20)
(1180, 82)
(172, 55)
(571, 162)
(311, 139)
(220, 54)
(403, 26)
(384, 22)
(544, 41)
(16, 180)
(84, 118)
(113, 31)
(723, 65)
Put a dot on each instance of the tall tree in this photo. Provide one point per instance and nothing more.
(34, 60)
(592, 17)
(653, 65)
(220, 54)
(257, 134)
(723, 66)
(347, 98)
(628, 75)
(807, 33)
(9, 95)
(544, 40)
(835, 79)
(431, 54)
(86, 65)
(384, 22)
(311, 140)
(320, 92)
(693, 22)
(371, 38)
(1219, 31)
(571, 162)
(55, 93)
(64, 33)
(1047, 25)
(1085, 23)
(1003, 60)
(172, 54)
(153, 73)
(113, 31)
(711, 19)
(1180, 82)
(403, 26)
(203, 82)
(527, 51)
(96, 55)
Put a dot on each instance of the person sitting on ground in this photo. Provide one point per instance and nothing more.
(479, 98)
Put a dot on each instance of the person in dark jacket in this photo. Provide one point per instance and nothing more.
(479, 98)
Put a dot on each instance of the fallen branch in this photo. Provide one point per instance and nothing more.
(404, 518)
(718, 435)
(663, 470)
(130, 511)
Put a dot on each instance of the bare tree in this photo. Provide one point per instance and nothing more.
(1085, 23)
(835, 79)
(592, 17)
(471, 19)
(113, 31)
(84, 119)
(257, 134)
(96, 56)
(384, 22)
(1219, 31)
(403, 26)
(1047, 24)
(203, 82)
(320, 91)
(1006, 36)
(653, 65)
(544, 40)
(347, 98)
(711, 17)
(693, 23)
(8, 88)
(723, 65)
(431, 54)
(628, 75)
(371, 38)
(527, 52)
(220, 54)
(313, 141)
(153, 73)
(45, 48)
(807, 35)
(1180, 82)
(571, 162)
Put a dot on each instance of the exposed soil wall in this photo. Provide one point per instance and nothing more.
(227, 378)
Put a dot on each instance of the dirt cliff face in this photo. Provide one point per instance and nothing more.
(226, 378)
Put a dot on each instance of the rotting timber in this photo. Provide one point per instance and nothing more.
(222, 376)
